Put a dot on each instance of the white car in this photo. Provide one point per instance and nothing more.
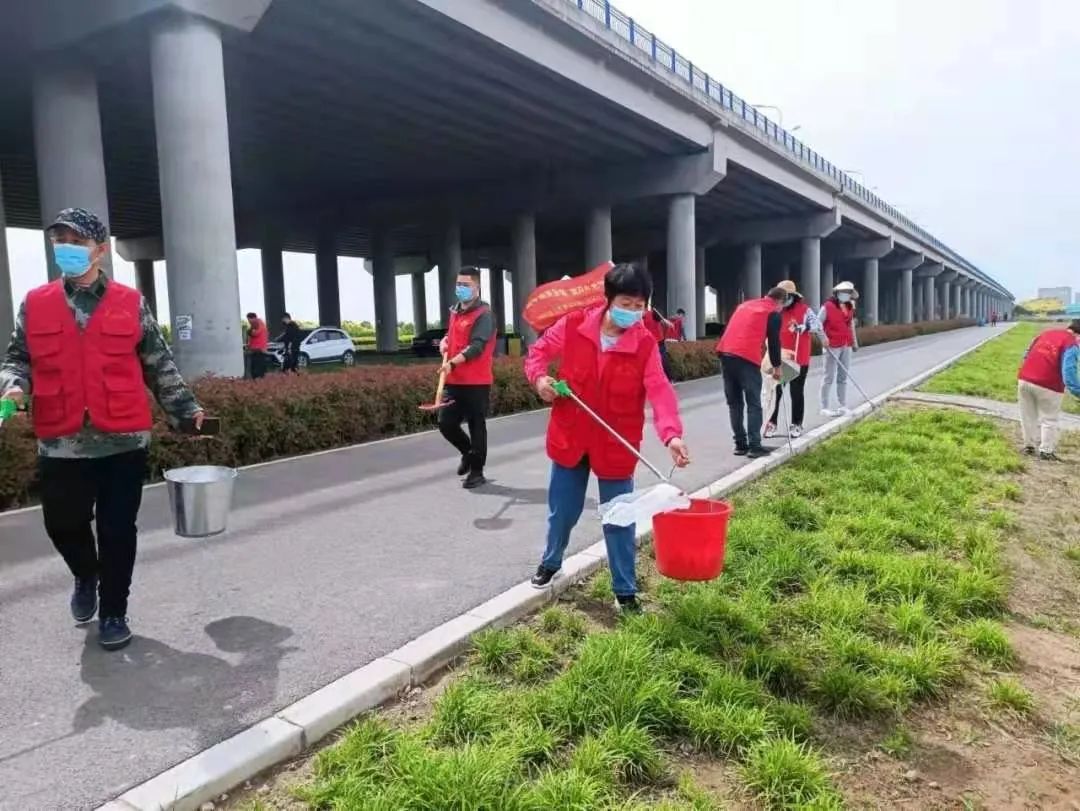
(320, 345)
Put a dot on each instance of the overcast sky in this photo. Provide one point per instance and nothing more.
(963, 113)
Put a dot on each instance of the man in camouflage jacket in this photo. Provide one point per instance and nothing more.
(84, 346)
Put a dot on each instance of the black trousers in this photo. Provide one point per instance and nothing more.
(72, 492)
(291, 360)
(742, 389)
(258, 365)
(470, 404)
(798, 398)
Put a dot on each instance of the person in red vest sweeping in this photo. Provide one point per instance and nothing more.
(258, 344)
(796, 320)
(610, 360)
(753, 325)
(469, 349)
(837, 317)
(90, 347)
(1049, 368)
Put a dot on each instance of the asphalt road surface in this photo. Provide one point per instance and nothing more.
(330, 561)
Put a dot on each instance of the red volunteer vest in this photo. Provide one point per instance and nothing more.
(794, 316)
(476, 372)
(259, 337)
(618, 396)
(744, 335)
(94, 372)
(1042, 366)
(653, 325)
(838, 324)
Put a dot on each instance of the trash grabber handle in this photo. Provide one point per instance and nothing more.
(442, 382)
(563, 389)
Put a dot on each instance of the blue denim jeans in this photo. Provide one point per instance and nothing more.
(566, 500)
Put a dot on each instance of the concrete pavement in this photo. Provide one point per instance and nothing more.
(330, 562)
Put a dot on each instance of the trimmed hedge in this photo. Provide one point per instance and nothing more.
(289, 415)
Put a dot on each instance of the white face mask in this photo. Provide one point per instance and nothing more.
(843, 298)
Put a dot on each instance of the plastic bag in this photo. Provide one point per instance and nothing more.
(632, 508)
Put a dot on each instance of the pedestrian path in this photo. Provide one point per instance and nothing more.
(995, 408)
(330, 562)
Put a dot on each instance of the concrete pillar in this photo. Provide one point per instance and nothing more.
(419, 303)
(273, 279)
(191, 124)
(946, 299)
(326, 281)
(144, 282)
(699, 295)
(67, 143)
(907, 296)
(965, 301)
(7, 306)
(384, 285)
(929, 312)
(751, 275)
(598, 237)
(449, 268)
(497, 298)
(827, 280)
(523, 241)
(682, 259)
(869, 296)
(957, 309)
(810, 265)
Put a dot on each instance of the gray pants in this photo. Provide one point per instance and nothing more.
(834, 373)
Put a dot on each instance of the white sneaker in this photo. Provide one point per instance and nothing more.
(828, 412)
(769, 432)
(840, 412)
(795, 432)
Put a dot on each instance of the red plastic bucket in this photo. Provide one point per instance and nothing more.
(690, 543)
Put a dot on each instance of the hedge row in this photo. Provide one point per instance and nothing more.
(288, 415)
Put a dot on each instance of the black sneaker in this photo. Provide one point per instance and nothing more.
(758, 452)
(627, 604)
(463, 468)
(543, 577)
(84, 599)
(1049, 456)
(473, 480)
(741, 451)
(1029, 450)
(113, 633)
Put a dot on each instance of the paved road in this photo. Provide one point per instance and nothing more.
(330, 561)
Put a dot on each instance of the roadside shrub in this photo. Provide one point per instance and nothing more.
(282, 416)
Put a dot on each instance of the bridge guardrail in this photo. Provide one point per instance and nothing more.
(665, 57)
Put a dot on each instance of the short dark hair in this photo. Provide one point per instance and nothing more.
(472, 271)
(286, 315)
(1075, 326)
(680, 311)
(627, 279)
(252, 315)
(777, 294)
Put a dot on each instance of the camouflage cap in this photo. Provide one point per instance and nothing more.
(82, 222)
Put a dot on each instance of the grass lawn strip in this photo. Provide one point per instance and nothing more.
(862, 579)
(990, 371)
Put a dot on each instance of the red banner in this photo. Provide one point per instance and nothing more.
(550, 302)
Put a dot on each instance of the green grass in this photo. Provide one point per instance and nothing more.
(1009, 695)
(898, 744)
(860, 579)
(990, 371)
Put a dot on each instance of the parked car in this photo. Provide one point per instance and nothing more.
(426, 344)
(320, 345)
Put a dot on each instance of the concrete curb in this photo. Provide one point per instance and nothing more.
(206, 775)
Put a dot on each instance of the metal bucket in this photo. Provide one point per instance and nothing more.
(200, 498)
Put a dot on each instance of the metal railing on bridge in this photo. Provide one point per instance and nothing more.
(665, 57)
